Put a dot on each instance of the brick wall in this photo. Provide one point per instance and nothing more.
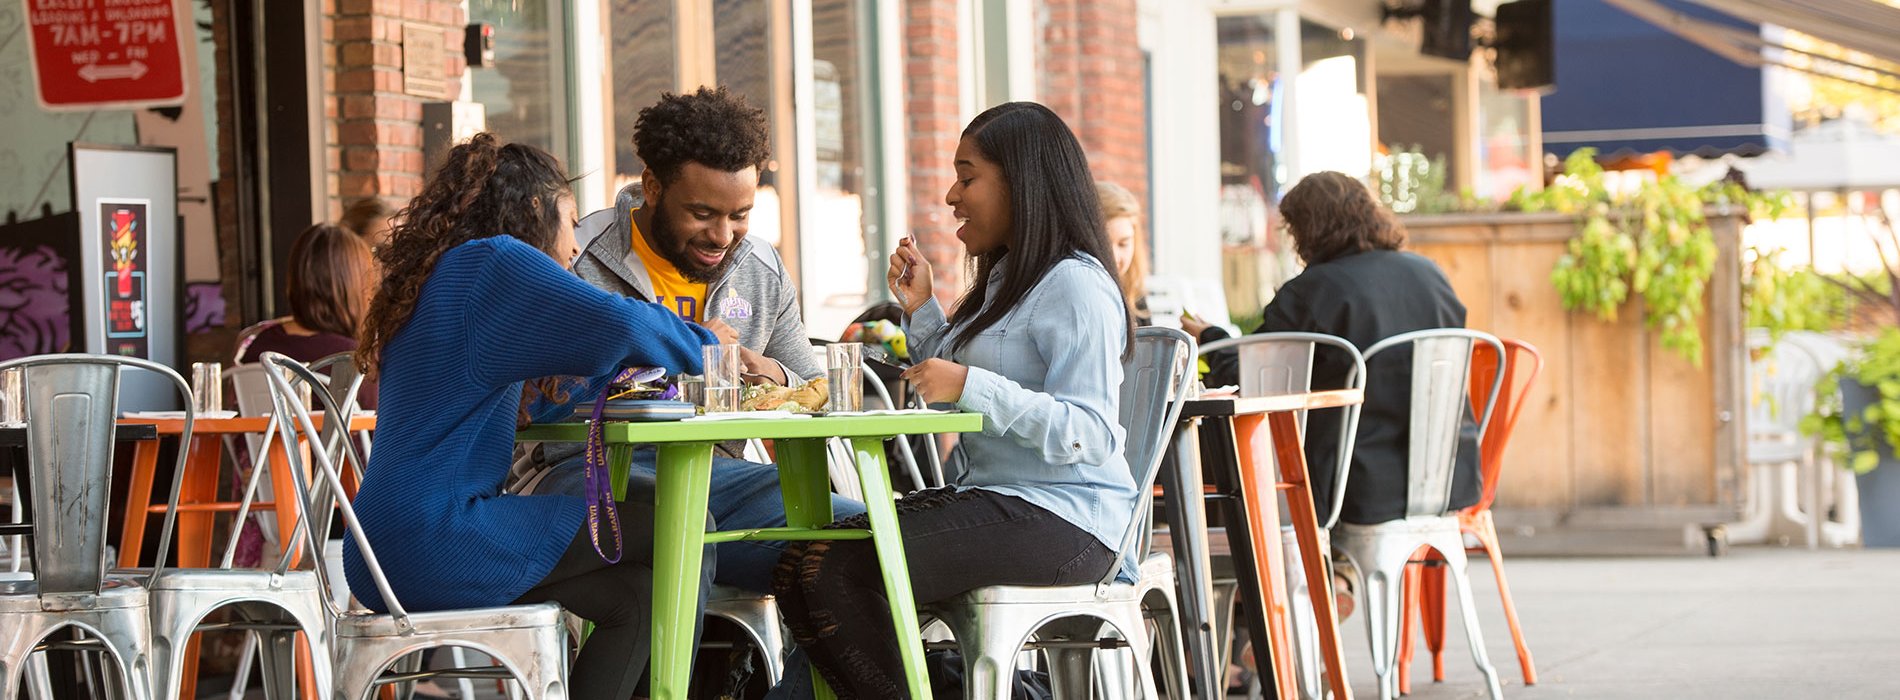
(372, 129)
(930, 110)
(1090, 73)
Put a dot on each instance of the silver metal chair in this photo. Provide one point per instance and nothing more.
(274, 604)
(72, 410)
(993, 624)
(1274, 364)
(1440, 378)
(528, 641)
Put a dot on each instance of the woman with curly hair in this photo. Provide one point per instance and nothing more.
(1359, 286)
(481, 254)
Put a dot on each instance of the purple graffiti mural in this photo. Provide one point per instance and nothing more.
(204, 306)
(34, 304)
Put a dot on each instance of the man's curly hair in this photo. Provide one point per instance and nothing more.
(712, 127)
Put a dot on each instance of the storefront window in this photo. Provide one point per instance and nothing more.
(519, 92)
(643, 63)
(838, 240)
(743, 62)
(1507, 161)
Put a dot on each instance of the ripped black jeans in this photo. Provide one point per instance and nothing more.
(955, 540)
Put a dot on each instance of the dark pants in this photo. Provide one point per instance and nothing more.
(832, 595)
(617, 598)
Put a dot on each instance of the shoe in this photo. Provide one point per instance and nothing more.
(429, 689)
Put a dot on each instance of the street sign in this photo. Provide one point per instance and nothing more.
(93, 54)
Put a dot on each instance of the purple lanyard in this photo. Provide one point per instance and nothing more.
(600, 490)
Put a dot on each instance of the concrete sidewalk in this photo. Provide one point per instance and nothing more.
(1757, 623)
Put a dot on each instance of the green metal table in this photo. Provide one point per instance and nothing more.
(684, 484)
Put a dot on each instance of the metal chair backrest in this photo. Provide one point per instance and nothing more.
(1521, 365)
(1781, 378)
(72, 421)
(318, 500)
(1155, 384)
(1275, 364)
(1440, 374)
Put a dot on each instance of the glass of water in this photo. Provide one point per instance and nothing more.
(721, 380)
(845, 375)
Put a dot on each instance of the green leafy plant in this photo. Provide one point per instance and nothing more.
(1782, 299)
(1654, 242)
(1862, 437)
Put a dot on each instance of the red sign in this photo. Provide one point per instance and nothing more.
(89, 54)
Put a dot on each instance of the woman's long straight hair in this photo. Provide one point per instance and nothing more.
(1054, 214)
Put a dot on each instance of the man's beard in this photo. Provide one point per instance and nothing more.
(674, 248)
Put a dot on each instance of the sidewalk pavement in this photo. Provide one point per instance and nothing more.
(1756, 623)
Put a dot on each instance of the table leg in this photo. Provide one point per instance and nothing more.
(137, 500)
(1221, 461)
(200, 486)
(889, 541)
(1261, 492)
(804, 482)
(1286, 448)
(679, 540)
(1194, 584)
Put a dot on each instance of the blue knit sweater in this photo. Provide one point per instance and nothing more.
(431, 501)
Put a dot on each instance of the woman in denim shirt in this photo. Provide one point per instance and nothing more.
(1044, 496)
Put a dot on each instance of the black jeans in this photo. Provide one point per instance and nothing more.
(832, 595)
(617, 598)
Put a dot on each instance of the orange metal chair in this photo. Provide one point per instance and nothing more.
(1424, 581)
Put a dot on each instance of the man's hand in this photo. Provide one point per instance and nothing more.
(719, 328)
(759, 369)
(937, 380)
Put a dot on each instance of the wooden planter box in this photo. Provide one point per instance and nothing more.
(1618, 433)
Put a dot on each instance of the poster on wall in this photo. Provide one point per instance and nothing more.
(131, 265)
(124, 223)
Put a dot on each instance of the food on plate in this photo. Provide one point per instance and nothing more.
(770, 397)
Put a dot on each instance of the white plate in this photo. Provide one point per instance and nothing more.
(177, 415)
(750, 415)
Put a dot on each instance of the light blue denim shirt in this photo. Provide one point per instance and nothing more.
(1047, 378)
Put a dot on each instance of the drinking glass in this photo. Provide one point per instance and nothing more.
(845, 374)
(722, 384)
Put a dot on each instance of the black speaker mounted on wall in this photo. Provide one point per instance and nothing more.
(1525, 46)
(1447, 26)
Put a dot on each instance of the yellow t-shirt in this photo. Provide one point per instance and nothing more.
(670, 288)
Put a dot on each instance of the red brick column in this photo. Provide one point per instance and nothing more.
(930, 106)
(373, 129)
(1091, 75)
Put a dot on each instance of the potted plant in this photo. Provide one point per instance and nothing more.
(1859, 415)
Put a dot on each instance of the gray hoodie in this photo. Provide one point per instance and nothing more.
(766, 313)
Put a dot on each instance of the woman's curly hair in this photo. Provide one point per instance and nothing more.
(1332, 216)
(711, 126)
(482, 189)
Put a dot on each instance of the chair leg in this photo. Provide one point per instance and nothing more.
(1488, 536)
(1171, 645)
(38, 680)
(1408, 597)
(1380, 584)
(1454, 553)
(1431, 612)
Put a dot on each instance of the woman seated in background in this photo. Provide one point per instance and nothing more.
(1121, 215)
(329, 282)
(1360, 286)
(1044, 496)
(371, 219)
(483, 253)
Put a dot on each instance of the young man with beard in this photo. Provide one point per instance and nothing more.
(684, 246)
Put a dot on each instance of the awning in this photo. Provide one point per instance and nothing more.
(1627, 86)
(1866, 26)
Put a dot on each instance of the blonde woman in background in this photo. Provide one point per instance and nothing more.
(1121, 215)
